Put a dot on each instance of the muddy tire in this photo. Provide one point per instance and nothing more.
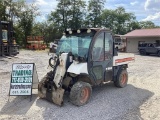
(80, 93)
(41, 88)
(122, 79)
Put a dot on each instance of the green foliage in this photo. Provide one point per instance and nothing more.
(133, 26)
(19, 35)
(26, 19)
(69, 14)
(61, 15)
(147, 24)
(46, 30)
(95, 8)
(22, 14)
(118, 20)
(3, 15)
(76, 14)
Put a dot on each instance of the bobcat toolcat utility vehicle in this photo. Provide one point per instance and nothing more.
(84, 58)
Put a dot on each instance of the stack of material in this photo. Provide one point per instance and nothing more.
(35, 43)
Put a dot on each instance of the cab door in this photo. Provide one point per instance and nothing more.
(100, 57)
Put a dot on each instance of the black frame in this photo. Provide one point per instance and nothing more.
(32, 79)
(10, 48)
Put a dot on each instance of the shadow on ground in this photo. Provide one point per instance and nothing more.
(107, 102)
(18, 106)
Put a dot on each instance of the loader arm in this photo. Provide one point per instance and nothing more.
(50, 87)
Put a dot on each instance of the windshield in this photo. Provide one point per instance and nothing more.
(76, 44)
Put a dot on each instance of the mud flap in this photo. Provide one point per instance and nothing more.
(54, 95)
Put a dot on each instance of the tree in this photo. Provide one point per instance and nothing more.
(60, 16)
(3, 15)
(118, 20)
(68, 15)
(133, 26)
(108, 17)
(47, 30)
(76, 15)
(8, 9)
(25, 16)
(22, 14)
(147, 24)
(95, 8)
(123, 19)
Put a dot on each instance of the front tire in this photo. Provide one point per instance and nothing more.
(80, 93)
(121, 79)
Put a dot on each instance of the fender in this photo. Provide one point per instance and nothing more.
(78, 68)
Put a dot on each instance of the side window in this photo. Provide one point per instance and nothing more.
(98, 51)
(108, 45)
(151, 45)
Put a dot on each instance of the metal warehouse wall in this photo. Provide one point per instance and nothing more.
(132, 43)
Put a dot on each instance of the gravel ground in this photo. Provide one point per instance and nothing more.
(139, 100)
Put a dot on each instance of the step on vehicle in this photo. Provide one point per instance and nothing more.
(84, 58)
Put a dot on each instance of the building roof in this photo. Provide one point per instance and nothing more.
(144, 33)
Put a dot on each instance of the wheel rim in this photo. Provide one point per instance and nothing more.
(123, 79)
(84, 95)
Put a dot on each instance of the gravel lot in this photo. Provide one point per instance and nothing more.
(139, 100)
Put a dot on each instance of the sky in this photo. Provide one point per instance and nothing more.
(143, 9)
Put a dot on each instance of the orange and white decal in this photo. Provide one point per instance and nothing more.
(120, 60)
(124, 60)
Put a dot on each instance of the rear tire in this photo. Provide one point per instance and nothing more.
(143, 52)
(80, 93)
(121, 79)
